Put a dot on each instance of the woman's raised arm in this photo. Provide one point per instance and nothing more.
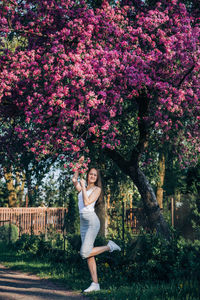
(75, 177)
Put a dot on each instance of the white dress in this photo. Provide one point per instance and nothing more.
(81, 206)
(89, 225)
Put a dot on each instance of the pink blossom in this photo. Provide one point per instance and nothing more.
(95, 64)
(75, 148)
(106, 125)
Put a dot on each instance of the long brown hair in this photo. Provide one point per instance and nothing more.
(98, 183)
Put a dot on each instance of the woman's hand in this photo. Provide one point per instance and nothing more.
(81, 160)
(78, 185)
(74, 179)
(82, 183)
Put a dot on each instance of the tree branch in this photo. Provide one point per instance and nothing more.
(34, 33)
(11, 2)
(118, 159)
(189, 71)
(143, 104)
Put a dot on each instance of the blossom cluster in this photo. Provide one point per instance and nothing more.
(82, 66)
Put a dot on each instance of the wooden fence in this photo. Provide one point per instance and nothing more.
(34, 220)
(135, 219)
(38, 220)
(132, 218)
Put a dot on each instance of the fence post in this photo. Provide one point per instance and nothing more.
(64, 225)
(172, 211)
(31, 224)
(131, 212)
(123, 220)
(9, 236)
(45, 225)
(19, 226)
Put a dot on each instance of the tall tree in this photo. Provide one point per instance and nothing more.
(159, 192)
(3, 194)
(84, 71)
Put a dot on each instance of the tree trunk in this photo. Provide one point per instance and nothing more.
(159, 193)
(148, 197)
(131, 168)
(12, 195)
(20, 184)
(29, 187)
(150, 204)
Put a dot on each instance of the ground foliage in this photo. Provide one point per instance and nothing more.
(147, 257)
(147, 267)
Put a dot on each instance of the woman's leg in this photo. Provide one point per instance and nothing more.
(92, 268)
(87, 247)
(98, 250)
(92, 263)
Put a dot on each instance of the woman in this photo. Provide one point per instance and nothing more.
(89, 222)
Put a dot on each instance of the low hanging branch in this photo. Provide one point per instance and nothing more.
(184, 77)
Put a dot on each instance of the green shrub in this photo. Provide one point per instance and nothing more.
(188, 261)
(44, 248)
(151, 257)
(9, 233)
(59, 241)
(73, 242)
(27, 243)
(57, 256)
(72, 221)
(38, 246)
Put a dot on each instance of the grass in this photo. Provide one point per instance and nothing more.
(77, 277)
(151, 291)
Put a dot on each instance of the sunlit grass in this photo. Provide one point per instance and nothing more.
(185, 290)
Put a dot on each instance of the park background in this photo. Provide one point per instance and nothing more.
(127, 99)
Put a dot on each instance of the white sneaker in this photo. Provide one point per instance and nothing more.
(92, 288)
(113, 246)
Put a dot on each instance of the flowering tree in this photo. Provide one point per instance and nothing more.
(81, 72)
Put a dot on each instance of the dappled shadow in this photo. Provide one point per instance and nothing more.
(16, 285)
(39, 295)
(30, 269)
(26, 284)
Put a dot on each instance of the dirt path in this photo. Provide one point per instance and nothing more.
(17, 285)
